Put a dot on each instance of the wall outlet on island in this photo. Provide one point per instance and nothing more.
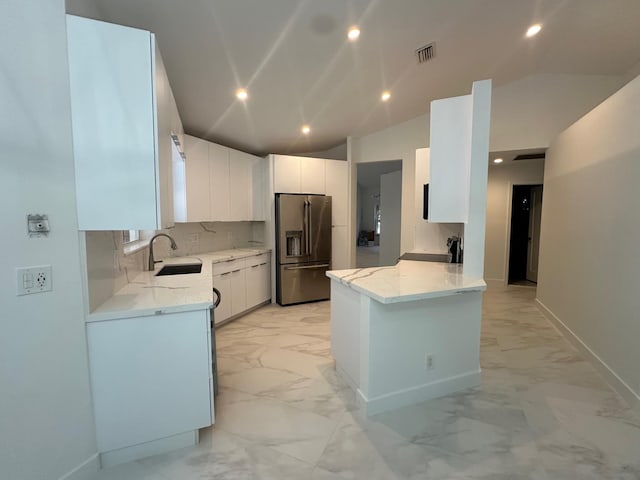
(428, 361)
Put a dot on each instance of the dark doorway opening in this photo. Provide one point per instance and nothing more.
(524, 243)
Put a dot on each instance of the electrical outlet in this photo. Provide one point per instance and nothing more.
(33, 279)
(428, 362)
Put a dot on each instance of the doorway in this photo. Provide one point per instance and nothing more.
(378, 210)
(524, 240)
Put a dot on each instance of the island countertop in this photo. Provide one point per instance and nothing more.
(147, 294)
(408, 281)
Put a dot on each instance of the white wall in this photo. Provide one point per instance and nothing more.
(46, 419)
(526, 113)
(530, 112)
(589, 262)
(396, 142)
(499, 191)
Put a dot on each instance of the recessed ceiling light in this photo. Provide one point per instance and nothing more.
(533, 30)
(306, 129)
(353, 33)
(497, 160)
(241, 94)
(386, 95)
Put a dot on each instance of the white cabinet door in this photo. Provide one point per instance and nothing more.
(197, 180)
(240, 180)
(238, 291)
(219, 181)
(258, 280)
(312, 175)
(121, 106)
(264, 281)
(450, 159)
(223, 283)
(149, 377)
(337, 187)
(259, 187)
(286, 174)
(339, 247)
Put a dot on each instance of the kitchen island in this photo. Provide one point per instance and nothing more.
(406, 333)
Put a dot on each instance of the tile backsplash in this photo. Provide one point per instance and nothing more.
(109, 269)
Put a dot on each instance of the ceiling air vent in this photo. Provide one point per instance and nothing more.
(530, 156)
(426, 53)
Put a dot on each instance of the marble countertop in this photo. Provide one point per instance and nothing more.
(147, 294)
(408, 281)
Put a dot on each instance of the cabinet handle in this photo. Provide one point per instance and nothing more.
(307, 267)
(256, 266)
(263, 264)
(230, 260)
(235, 271)
(225, 273)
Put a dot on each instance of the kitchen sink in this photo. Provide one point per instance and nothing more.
(180, 269)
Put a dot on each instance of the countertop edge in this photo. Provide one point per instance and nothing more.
(145, 312)
(476, 285)
(209, 258)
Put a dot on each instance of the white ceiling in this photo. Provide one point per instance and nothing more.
(295, 60)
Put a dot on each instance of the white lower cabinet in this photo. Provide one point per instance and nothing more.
(222, 282)
(243, 284)
(150, 377)
(258, 277)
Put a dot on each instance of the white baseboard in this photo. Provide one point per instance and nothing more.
(155, 447)
(420, 393)
(495, 282)
(85, 470)
(617, 383)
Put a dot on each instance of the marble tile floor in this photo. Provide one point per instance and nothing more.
(541, 412)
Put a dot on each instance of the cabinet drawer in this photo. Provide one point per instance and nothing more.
(228, 266)
(256, 259)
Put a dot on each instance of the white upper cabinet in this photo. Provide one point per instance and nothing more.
(220, 184)
(122, 145)
(286, 173)
(298, 174)
(336, 185)
(449, 166)
(312, 175)
(241, 181)
(197, 205)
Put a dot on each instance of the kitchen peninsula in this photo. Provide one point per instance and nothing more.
(410, 332)
(406, 333)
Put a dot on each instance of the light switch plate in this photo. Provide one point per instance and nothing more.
(33, 280)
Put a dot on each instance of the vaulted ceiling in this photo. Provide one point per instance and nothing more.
(294, 58)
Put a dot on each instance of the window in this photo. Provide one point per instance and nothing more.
(129, 236)
(378, 219)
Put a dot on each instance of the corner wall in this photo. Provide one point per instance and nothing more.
(589, 262)
(46, 418)
(499, 190)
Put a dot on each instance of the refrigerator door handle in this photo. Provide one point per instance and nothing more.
(307, 267)
(310, 228)
(307, 227)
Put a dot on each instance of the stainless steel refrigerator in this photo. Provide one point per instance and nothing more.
(303, 248)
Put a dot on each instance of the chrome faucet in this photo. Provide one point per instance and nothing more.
(152, 261)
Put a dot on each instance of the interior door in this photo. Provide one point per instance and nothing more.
(533, 248)
(319, 228)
